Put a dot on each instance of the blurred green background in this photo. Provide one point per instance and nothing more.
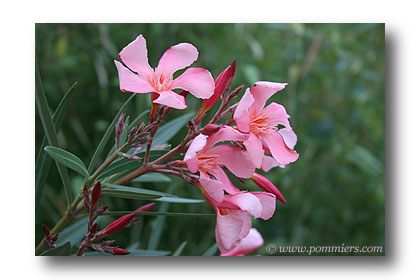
(335, 192)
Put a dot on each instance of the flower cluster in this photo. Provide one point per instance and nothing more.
(248, 140)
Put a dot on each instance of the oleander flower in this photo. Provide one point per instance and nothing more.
(197, 81)
(250, 243)
(234, 215)
(208, 160)
(261, 124)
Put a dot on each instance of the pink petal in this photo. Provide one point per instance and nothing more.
(225, 133)
(244, 104)
(268, 163)
(262, 91)
(134, 55)
(224, 178)
(130, 82)
(246, 223)
(171, 99)
(243, 123)
(197, 81)
(213, 188)
(268, 202)
(276, 114)
(289, 137)
(278, 148)
(250, 243)
(196, 146)
(246, 202)
(228, 229)
(255, 150)
(235, 159)
(177, 57)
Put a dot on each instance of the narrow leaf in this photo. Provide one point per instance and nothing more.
(159, 224)
(49, 129)
(74, 233)
(107, 135)
(63, 250)
(179, 200)
(137, 190)
(160, 213)
(211, 251)
(170, 129)
(123, 164)
(67, 159)
(128, 194)
(180, 249)
(152, 177)
(43, 161)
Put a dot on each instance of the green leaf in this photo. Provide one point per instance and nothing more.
(74, 233)
(143, 253)
(180, 249)
(137, 190)
(50, 132)
(152, 177)
(127, 194)
(63, 250)
(211, 251)
(178, 200)
(123, 163)
(160, 213)
(159, 224)
(170, 129)
(67, 159)
(107, 135)
(43, 161)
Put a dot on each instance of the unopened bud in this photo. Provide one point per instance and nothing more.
(222, 85)
(118, 224)
(96, 193)
(145, 208)
(119, 127)
(120, 251)
(46, 230)
(210, 129)
(267, 186)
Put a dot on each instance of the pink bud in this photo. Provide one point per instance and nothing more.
(118, 224)
(120, 251)
(267, 186)
(222, 82)
(146, 207)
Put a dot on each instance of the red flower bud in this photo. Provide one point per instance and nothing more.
(146, 207)
(222, 83)
(266, 185)
(96, 193)
(120, 251)
(118, 224)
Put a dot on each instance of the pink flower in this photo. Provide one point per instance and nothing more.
(209, 161)
(250, 243)
(197, 81)
(261, 124)
(234, 215)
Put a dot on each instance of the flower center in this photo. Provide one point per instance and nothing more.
(207, 162)
(260, 124)
(160, 82)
